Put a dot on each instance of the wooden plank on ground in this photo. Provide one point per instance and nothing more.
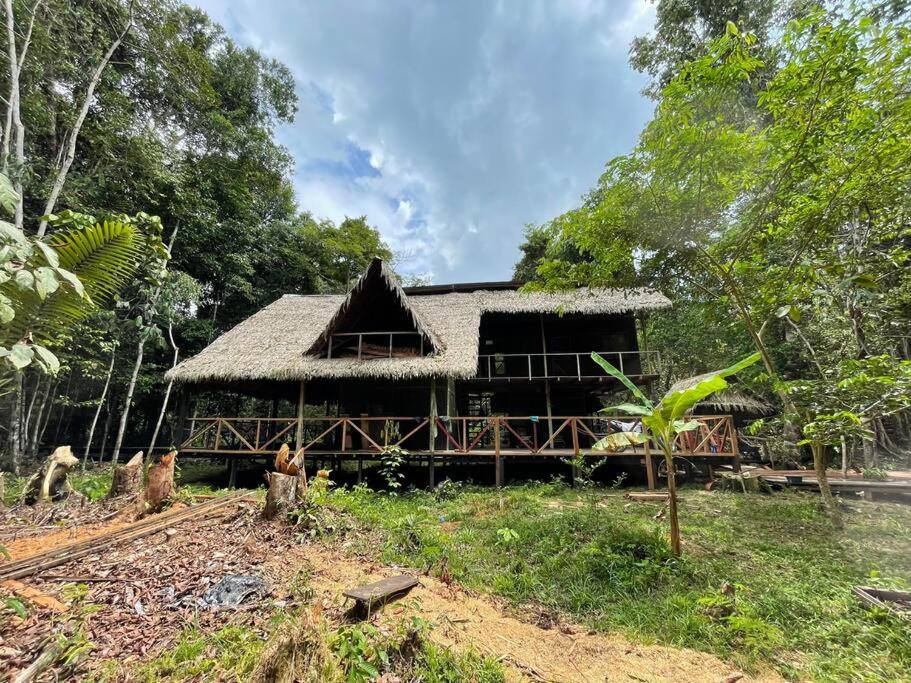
(381, 591)
(651, 497)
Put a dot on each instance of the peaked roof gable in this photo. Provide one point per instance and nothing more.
(377, 279)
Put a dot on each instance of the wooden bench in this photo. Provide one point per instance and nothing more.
(381, 592)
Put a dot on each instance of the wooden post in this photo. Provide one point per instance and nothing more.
(498, 469)
(360, 469)
(550, 421)
(430, 466)
(735, 446)
(576, 451)
(232, 472)
(183, 404)
(299, 437)
(649, 467)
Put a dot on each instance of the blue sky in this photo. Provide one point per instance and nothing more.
(450, 125)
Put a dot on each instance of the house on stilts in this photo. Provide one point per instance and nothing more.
(479, 371)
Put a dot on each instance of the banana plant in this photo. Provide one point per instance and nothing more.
(664, 421)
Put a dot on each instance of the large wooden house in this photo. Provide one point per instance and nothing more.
(473, 370)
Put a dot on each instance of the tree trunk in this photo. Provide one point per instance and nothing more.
(125, 415)
(819, 466)
(871, 453)
(50, 482)
(672, 502)
(284, 492)
(14, 105)
(167, 393)
(70, 154)
(32, 447)
(15, 427)
(127, 479)
(108, 418)
(101, 403)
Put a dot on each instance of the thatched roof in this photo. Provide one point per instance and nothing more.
(730, 399)
(280, 341)
(376, 281)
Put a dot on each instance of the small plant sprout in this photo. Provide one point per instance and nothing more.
(662, 423)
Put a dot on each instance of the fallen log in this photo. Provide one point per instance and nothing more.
(50, 482)
(127, 479)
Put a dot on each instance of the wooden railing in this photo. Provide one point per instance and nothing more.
(481, 436)
(558, 366)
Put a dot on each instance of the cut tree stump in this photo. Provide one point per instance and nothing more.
(50, 483)
(160, 484)
(127, 478)
(285, 491)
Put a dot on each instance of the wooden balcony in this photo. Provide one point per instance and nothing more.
(491, 439)
(564, 366)
(469, 436)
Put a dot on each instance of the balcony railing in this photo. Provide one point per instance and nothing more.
(475, 435)
(558, 366)
(367, 345)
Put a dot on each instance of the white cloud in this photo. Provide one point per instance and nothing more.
(470, 119)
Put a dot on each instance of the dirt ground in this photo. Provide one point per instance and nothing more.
(145, 592)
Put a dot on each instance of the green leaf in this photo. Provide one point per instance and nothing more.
(17, 606)
(48, 359)
(676, 404)
(45, 281)
(631, 408)
(619, 440)
(626, 381)
(790, 311)
(9, 198)
(20, 355)
(24, 279)
(6, 311)
(53, 260)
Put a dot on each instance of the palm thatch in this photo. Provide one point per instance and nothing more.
(377, 280)
(282, 341)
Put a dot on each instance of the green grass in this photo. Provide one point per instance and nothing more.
(605, 562)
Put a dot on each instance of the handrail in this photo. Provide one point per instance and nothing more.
(463, 435)
(498, 366)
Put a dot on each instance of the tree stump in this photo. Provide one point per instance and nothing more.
(50, 483)
(285, 491)
(160, 484)
(127, 479)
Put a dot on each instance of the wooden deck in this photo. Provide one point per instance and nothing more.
(493, 438)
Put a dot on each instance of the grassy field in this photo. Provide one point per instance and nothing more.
(596, 558)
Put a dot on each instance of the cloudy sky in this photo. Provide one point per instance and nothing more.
(450, 125)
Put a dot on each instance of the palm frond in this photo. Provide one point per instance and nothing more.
(104, 258)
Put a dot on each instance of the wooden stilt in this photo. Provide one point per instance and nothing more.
(299, 435)
(498, 470)
(430, 466)
(360, 470)
(232, 473)
(649, 467)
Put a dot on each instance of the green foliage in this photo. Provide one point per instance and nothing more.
(392, 460)
(610, 568)
(54, 282)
